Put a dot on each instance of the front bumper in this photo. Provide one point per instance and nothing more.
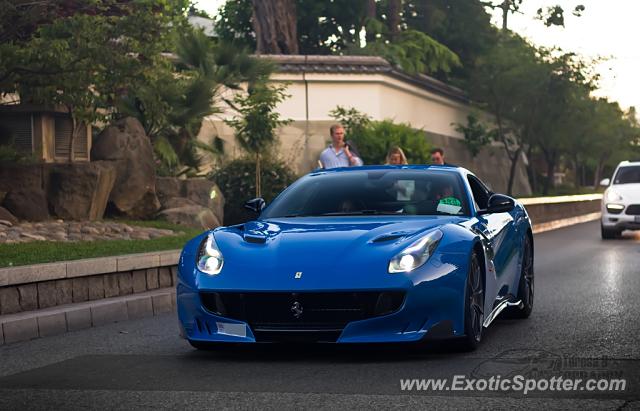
(432, 307)
(621, 220)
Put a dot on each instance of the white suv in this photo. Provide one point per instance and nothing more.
(621, 200)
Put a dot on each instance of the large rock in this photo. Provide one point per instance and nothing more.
(168, 187)
(23, 185)
(206, 193)
(177, 193)
(126, 144)
(80, 191)
(27, 203)
(177, 202)
(5, 215)
(191, 216)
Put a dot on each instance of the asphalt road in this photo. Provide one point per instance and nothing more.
(585, 324)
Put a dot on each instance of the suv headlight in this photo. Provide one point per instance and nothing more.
(612, 196)
(416, 254)
(210, 259)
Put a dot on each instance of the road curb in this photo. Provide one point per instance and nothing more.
(28, 325)
(565, 222)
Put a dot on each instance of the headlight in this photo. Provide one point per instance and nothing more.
(613, 196)
(210, 259)
(416, 254)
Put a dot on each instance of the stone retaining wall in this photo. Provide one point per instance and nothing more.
(546, 209)
(43, 286)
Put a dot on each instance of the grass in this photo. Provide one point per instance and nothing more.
(37, 252)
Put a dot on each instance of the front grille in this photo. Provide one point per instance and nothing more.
(633, 209)
(317, 316)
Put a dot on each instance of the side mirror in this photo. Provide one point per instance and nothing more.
(605, 182)
(256, 205)
(499, 203)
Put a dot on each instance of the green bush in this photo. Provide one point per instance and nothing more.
(237, 182)
(375, 140)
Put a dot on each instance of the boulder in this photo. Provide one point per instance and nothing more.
(192, 191)
(166, 188)
(5, 215)
(27, 203)
(18, 176)
(177, 202)
(126, 144)
(206, 193)
(80, 191)
(191, 216)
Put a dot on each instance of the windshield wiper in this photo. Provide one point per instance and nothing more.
(362, 212)
(344, 213)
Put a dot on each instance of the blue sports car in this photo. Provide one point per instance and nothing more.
(361, 255)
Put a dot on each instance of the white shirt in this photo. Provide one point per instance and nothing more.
(330, 159)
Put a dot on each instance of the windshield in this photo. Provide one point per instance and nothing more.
(627, 175)
(370, 192)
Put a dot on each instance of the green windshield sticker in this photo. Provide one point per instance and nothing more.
(449, 205)
(450, 201)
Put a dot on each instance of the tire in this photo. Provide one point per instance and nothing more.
(609, 233)
(526, 284)
(473, 306)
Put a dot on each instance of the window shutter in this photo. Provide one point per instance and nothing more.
(20, 126)
(63, 126)
(81, 149)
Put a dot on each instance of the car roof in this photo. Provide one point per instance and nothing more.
(451, 168)
(629, 163)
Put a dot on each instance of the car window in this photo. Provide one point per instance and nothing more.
(627, 175)
(366, 192)
(480, 193)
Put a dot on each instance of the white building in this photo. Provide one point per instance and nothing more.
(317, 84)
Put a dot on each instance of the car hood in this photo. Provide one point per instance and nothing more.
(629, 192)
(318, 243)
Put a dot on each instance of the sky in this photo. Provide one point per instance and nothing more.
(607, 29)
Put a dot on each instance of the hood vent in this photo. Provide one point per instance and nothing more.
(387, 237)
(255, 239)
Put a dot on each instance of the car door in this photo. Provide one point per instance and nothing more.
(501, 241)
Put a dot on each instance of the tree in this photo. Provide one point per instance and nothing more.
(173, 106)
(413, 51)
(233, 24)
(509, 83)
(335, 27)
(464, 26)
(274, 23)
(84, 56)
(568, 84)
(257, 121)
(554, 15)
(476, 134)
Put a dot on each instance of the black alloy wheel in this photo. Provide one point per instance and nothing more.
(526, 284)
(474, 305)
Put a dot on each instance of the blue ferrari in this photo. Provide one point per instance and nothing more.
(380, 254)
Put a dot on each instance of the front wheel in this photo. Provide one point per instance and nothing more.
(609, 233)
(474, 306)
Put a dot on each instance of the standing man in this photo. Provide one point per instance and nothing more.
(338, 153)
(437, 157)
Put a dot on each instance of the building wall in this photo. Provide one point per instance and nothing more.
(313, 96)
